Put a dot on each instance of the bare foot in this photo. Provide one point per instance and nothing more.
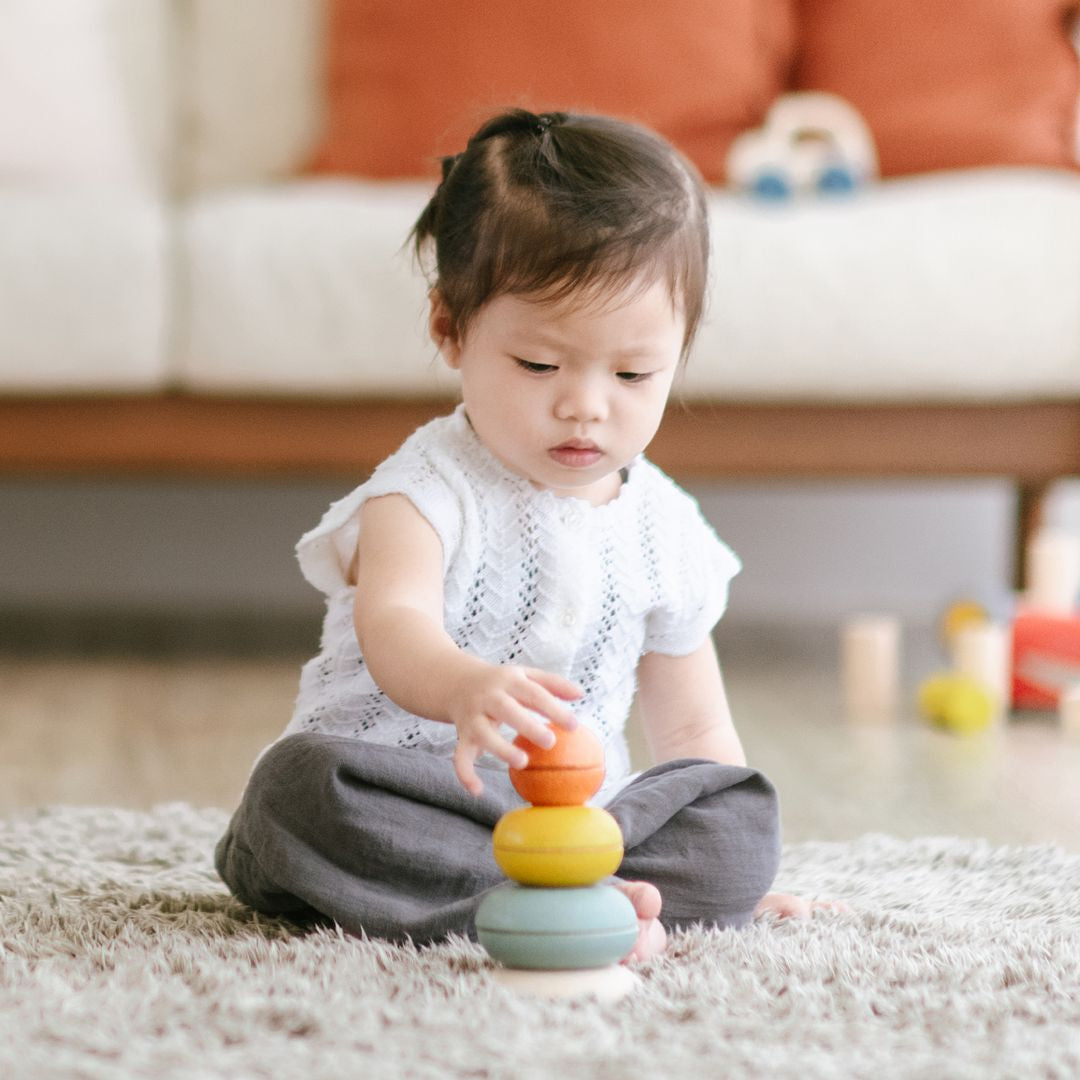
(652, 937)
(785, 905)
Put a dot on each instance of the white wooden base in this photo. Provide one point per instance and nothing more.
(606, 983)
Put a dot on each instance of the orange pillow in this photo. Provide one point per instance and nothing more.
(410, 80)
(949, 83)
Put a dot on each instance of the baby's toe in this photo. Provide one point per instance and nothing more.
(644, 896)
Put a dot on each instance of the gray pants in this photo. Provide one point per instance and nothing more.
(385, 840)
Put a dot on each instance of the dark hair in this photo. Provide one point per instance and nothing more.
(550, 204)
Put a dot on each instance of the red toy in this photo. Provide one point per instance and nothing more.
(1046, 658)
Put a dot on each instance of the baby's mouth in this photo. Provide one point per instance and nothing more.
(576, 453)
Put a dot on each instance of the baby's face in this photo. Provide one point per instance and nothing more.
(567, 393)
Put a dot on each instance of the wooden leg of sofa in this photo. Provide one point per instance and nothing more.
(1030, 517)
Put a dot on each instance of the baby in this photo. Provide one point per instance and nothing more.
(519, 564)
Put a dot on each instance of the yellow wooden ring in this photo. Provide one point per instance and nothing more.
(557, 845)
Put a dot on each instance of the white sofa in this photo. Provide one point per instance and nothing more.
(161, 250)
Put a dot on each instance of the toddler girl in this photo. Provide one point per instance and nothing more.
(519, 563)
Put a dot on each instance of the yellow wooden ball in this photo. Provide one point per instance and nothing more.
(969, 707)
(557, 845)
(957, 703)
(933, 693)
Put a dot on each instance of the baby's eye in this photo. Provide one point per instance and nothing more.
(536, 369)
(632, 376)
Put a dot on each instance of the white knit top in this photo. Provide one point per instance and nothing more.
(530, 578)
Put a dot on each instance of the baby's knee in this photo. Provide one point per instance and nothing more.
(744, 838)
(291, 774)
(733, 842)
(301, 754)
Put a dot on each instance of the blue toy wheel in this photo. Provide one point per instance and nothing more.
(772, 185)
(836, 180)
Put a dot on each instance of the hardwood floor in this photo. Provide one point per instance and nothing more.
(838, 778)
(134, 732)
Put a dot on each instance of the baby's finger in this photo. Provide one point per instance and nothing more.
(540, 699)
(555, 684)
(538, 732)
(527, 722)
(490, 740)
(465, 767)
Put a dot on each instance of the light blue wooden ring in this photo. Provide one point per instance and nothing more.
(523, 926)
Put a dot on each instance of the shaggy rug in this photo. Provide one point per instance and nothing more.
(123, 956)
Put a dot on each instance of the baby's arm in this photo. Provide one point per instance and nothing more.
(398, 616)
(684, 713)
(684, 709)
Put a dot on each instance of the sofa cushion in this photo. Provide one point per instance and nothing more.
(955, 286)
(304, 288)
(84, 93)
(949, 83)
(410, 81)
(82, 292)
(252, 89)
(938, 288)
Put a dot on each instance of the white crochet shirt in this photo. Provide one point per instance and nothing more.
(530, 578)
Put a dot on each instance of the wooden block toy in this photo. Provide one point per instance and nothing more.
(957, 703)
(1053, 572)
(1045, 658)
(557, 845)
(870, 666)
(566, 774)
(556, 929)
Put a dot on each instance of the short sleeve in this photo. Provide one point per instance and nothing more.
(695, 586)
(326, 551)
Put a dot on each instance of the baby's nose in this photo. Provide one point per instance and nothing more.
(583, 402)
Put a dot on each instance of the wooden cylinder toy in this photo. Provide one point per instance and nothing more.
(984, 652)
(556, 929)
(566, 774)
(1069, 711)
(870, 666)
(1053, 571)
(557, 845)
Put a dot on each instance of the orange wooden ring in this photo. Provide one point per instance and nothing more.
(567, 774)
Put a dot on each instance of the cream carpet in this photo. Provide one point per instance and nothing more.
(123, 956)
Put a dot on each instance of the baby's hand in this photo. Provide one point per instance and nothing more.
(490, 695)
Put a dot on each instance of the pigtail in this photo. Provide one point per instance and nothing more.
(513, 122)
(519, 122)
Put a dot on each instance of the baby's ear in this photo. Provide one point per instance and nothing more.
(441, 329)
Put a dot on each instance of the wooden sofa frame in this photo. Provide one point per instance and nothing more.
(176, 433)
